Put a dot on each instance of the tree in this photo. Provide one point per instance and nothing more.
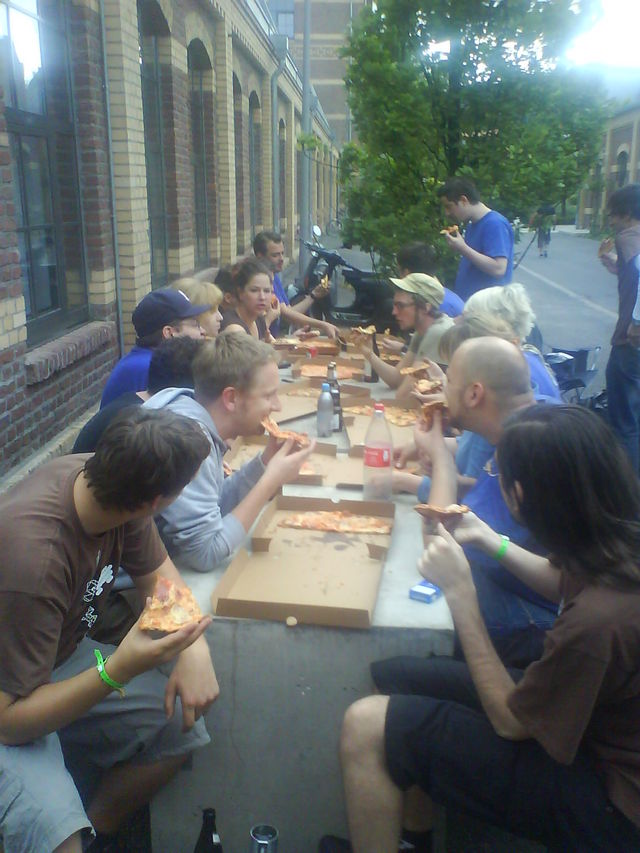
(463, 87)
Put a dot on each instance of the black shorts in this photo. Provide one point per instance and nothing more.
(438, 737)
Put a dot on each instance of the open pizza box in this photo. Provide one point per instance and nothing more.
(319, 364)
(320, 578)
(357, 425)
(299, 399)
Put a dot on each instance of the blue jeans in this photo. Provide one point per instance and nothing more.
(623, 392)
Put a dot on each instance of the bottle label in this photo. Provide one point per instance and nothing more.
(377, 457)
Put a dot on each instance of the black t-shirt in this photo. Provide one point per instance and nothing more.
(93, 429)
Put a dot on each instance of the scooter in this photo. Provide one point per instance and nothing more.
(355, 298)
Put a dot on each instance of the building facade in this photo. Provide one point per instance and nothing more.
(138, 144)
(618, 165)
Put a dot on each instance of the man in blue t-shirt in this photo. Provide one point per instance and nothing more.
(269, 247)
(420, 257)
(488, 380)
(486, 249)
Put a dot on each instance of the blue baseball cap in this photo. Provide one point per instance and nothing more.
(161, 308)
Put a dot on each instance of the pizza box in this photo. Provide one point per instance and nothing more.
(324, 467)
(356, 364)
(300, 405)
(335, 585)
(357, 425)
(267, 531)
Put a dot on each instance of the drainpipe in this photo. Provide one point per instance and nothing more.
(281, 45)
(112, 186)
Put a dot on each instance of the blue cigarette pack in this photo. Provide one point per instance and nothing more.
(425, 591)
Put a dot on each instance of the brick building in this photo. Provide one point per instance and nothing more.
(135, 147)
(330, 24)
(618, 165)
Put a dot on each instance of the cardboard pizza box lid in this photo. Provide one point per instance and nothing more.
(245, 448)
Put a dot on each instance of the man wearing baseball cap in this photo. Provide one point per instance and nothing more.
(161, 314)
(416, 305)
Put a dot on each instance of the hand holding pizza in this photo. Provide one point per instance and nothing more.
(139, 652)
(286, 462)
(471, 530)
(444, 563)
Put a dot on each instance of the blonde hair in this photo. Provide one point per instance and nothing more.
(509, 301)
(200, 292)
(230, 360)
(474, 325)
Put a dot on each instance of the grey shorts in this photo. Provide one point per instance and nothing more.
(41, 801)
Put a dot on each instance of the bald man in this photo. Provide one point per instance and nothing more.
(487, 380)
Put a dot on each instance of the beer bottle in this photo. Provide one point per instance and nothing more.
(208, 840)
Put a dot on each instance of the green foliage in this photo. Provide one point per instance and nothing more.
(307, 142)
(494, 106)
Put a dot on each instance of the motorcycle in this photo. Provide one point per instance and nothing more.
(355, 297)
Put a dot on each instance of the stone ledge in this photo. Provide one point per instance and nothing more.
(42, 362)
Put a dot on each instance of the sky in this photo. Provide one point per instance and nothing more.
(615, 39)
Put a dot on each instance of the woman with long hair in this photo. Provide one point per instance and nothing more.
(551, 752)
(253, 292)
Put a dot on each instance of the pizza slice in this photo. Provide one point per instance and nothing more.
(428, 410)
(401, 417)
(428, 386)
(170, 608)
(441, 513)
(283, 434)
(336, 522)
(607, 246)
(416, 370)
(453, 230)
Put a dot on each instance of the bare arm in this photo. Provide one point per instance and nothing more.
(297, 319)
(444, 563)
(444, 474)
(532, 569)
(495, 267)
(389, 373)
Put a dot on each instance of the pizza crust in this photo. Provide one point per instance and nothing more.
(283, 434)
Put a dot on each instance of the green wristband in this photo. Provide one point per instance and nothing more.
(104, 675)
(502, 550)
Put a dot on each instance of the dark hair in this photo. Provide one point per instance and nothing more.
(417, 257)
(580, 493)
(224, 279)
(245, 270)
(142, 455)
(454, 188)
(154, 339)
(262, 238)
(625, 201)
(170, 365)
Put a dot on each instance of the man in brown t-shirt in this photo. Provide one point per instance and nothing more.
(65, 530)
(552, 752)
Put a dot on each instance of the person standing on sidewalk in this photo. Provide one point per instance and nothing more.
(486, 249)
(623, 367)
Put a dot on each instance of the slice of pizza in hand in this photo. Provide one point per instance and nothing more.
(170, 608)
(283, 434)
(429, 409)
(607, 246)
(416, 370)
(453, 230)
(441, 513)
(428, 386)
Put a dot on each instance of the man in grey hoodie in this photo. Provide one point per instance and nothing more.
(235, 386)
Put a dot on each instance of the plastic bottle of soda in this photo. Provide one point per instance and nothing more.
(378, 452)
(332, 379)
(325, 411)
(208, 840)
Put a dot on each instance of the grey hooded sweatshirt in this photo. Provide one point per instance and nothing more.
(198, 528)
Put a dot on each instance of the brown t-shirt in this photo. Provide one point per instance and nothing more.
(585, 689)
(54, 577)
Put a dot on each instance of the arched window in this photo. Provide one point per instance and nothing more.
(239, 163)
(34, 74)
(623, 167)
(199, 68)
(152, 27)
(255, 162)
